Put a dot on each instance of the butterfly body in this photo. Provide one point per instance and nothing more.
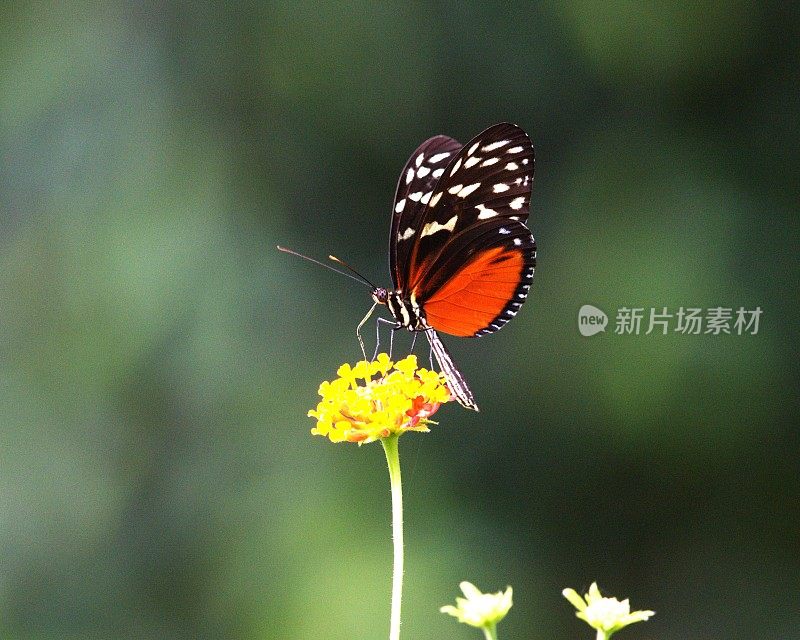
(406, 311)
(460, 254)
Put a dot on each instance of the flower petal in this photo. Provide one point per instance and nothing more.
(574, 599)
(469, 590)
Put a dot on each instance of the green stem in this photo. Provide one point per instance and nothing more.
(490, 631)
(393, 460)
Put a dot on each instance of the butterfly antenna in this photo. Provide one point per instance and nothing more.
(360, 278)
(347, 266)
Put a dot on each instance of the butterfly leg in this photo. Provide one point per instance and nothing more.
(358, 330)
(391, 339)
(378, 323)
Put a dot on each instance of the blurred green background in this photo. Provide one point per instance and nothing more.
(158, 355)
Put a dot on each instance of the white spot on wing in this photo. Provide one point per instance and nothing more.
(424, 199)
(419, 159)
(409, 176)
(435, 199)
(455, 189)
(472, 148)
(406, 234)
(495, 145)
(500, 187)
(456, 167)
(438, 173)
(512, 166)
(489, 162)
(438, 157)
(517, 241)
(468, 189)
(504, 231)
(517, 203)
(415, 196)
(433, 227)
(515, 149)
(398, 208)
(485, 212)
(471, 162)
(423, 171)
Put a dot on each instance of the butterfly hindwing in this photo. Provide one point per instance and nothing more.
(420, 174)
(480, 280)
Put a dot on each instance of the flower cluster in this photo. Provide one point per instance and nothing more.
(607, 615)
(480, 609)
(373, 400)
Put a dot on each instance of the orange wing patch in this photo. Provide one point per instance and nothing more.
(477, 294)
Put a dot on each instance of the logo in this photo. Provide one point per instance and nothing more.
(591, 320)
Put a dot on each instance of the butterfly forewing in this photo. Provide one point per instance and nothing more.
(489, 178)
(423, 170)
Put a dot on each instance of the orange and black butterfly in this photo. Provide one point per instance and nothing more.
(460, 255)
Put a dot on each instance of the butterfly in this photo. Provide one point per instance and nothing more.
(460, 255)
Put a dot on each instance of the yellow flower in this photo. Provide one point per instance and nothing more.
(607, 615)
(480, 609)
(373, 400)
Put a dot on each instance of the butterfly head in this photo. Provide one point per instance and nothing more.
(380, 295)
